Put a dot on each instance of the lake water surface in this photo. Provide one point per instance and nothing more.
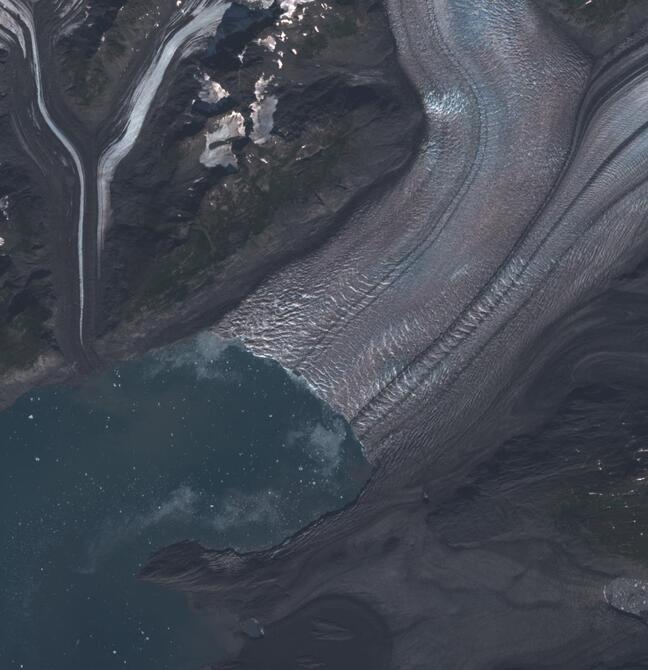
(199, 441)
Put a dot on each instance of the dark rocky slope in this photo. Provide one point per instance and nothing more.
(598, 25)
(29, 212)
(187, 240)
(188, 237)
(463, 577)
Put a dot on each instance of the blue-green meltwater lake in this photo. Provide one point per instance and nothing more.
(198, 441)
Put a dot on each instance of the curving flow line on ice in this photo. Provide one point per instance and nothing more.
(195, 20)
(204, 19)
(12, 12)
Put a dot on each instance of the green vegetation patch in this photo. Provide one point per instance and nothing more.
(293, 177)
(23, 338)
(343, 25)
(598, 15)
(601, 468)
(241, 206)
(91, 79)
(594, 10)
(613, 519)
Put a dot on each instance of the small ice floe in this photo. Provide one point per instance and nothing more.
(269, 42)
(252, 628)
(262, 111)
(2, 241)
(212, 92)
(218, 147)
(629, 596)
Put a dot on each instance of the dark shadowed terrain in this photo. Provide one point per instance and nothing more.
(433, 213)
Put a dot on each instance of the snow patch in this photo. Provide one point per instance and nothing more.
(218, 148)
(212, 92)
(204, 22)
(258, 4)
(269, 42)
(290, 8)
(263, 111)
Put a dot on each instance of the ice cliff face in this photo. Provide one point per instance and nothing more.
(526, 200)
(258, 165)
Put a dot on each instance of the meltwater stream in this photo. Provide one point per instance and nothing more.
(198, 441)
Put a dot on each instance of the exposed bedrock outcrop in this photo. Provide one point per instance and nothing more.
(30, 240)
(261, 144)
(185, 151)
(237, 147)
(598, 25)
(526, 201)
